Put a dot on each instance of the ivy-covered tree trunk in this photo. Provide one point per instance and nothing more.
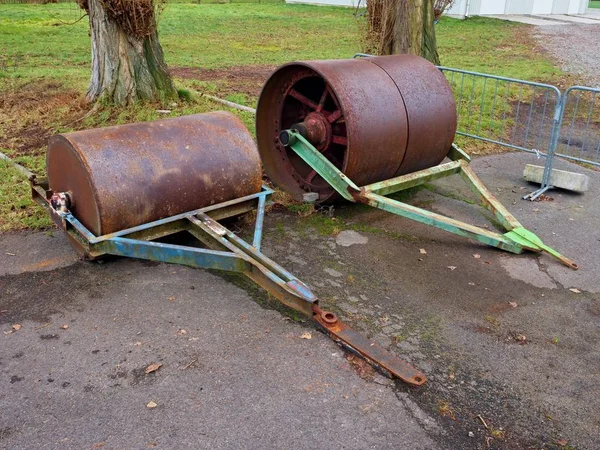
(406, 26)
(127, 60)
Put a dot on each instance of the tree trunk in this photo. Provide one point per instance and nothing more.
(407, 26)
(125, 68)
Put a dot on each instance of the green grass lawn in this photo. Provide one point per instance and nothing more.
(594, 4)
(45, 60)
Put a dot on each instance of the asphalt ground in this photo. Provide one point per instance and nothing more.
(512, 354)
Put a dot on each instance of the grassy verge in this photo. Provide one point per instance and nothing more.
(594, 4)
(493, 46)
(227, 49)
(44, 71)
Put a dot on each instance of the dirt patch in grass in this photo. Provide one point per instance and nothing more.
(30, 114)
(246, 80)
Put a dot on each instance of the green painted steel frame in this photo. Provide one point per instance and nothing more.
(515, 240)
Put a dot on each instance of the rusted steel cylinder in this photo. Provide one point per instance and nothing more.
(430, 108)
(374, 118)
(122, 176)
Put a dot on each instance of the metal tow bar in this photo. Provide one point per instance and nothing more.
(516, 239)
(225, 251)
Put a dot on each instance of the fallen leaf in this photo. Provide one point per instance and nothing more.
(153, 368)
(151, 405)
(65, 326)
(171, 299)
(477, 256)
(452, 267)
(17, 326)
(306, 335)
(422, 251)
(513, 304)
(181, 332)
(575, 290)
(561, 442)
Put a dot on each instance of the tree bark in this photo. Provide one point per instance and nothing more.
(125, 68)
(408, 27)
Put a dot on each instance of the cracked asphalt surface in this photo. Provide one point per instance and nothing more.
(512, 355)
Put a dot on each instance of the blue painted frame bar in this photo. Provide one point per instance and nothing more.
(175, 254)
(238, 256)
(92, 239)
(226, 251)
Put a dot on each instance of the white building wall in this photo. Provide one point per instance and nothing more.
(560, 6)
(577, 7)
(501, 7)
(458, 8)
(489, 7)
(542, 6)
(485, 7)
(518, 6)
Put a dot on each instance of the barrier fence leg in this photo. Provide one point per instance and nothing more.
(554, 136)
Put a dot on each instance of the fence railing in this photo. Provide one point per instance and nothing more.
(524, 115)
(528, 116)
(579, 137)
(518, 114)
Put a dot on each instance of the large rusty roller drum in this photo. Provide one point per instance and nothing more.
(122, 176)
(374, 118)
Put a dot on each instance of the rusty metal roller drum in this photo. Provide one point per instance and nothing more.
(122, 176)
(374, 118)
(430, 108)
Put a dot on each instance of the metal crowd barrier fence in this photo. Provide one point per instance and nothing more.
(523, 115)
(518, 114)
(579, 138)
(514, 113)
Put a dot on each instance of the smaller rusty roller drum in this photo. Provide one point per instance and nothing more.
(122, 176)
(373, 118)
